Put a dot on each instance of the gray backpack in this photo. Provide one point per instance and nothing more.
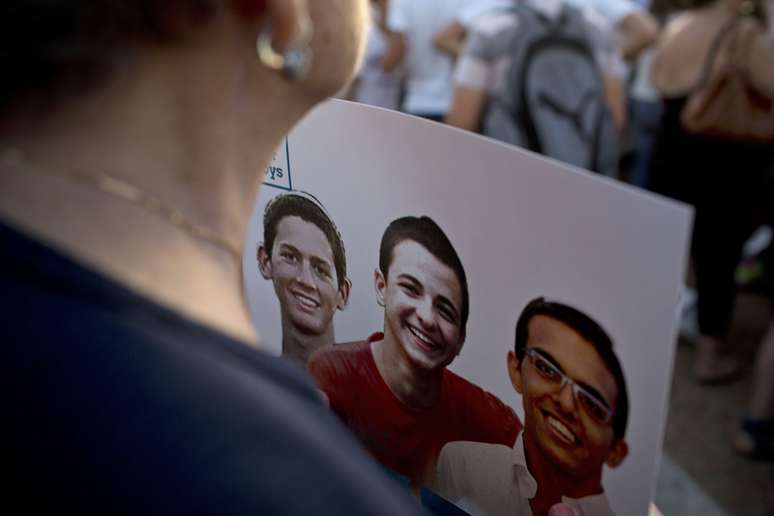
(553, 99)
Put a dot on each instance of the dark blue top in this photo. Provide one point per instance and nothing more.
(116, 405)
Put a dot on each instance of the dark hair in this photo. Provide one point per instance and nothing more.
(309, 210)
(591, 331)
(54, 48)
(424, 231)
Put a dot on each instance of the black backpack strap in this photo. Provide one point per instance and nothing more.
(517, 108)
(523, 115)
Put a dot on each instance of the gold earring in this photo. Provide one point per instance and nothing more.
(293, 64)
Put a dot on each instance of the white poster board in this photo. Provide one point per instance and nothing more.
(524, 227)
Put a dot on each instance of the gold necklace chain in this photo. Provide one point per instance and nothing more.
(118, 188)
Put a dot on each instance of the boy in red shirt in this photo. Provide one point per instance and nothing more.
(393, 389)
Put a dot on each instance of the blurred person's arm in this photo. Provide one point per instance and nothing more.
(609, 59)
(473, 79)
(394, 23)
(382, 10)
(395, 53)
(615, 99)
(635, 28)
(450, 39)
(636, 32)
(466, 108)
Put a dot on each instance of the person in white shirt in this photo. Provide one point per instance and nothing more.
(575, 413)
(428, 87)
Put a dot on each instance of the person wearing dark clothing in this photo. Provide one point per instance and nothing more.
(721, 177)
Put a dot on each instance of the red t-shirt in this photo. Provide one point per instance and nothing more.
(403, 439)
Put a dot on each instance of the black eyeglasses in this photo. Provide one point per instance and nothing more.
(597, 409)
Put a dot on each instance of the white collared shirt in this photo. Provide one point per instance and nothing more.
(493, 480)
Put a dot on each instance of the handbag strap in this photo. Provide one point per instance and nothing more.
(709, 62)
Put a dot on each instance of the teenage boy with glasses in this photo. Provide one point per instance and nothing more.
(575, 413)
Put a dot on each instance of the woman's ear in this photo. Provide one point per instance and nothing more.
(287, 20)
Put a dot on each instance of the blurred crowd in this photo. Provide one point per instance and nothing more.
(674, 96)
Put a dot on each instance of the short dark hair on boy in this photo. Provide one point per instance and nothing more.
(591, 331)
(424, 231)
(295, 205)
